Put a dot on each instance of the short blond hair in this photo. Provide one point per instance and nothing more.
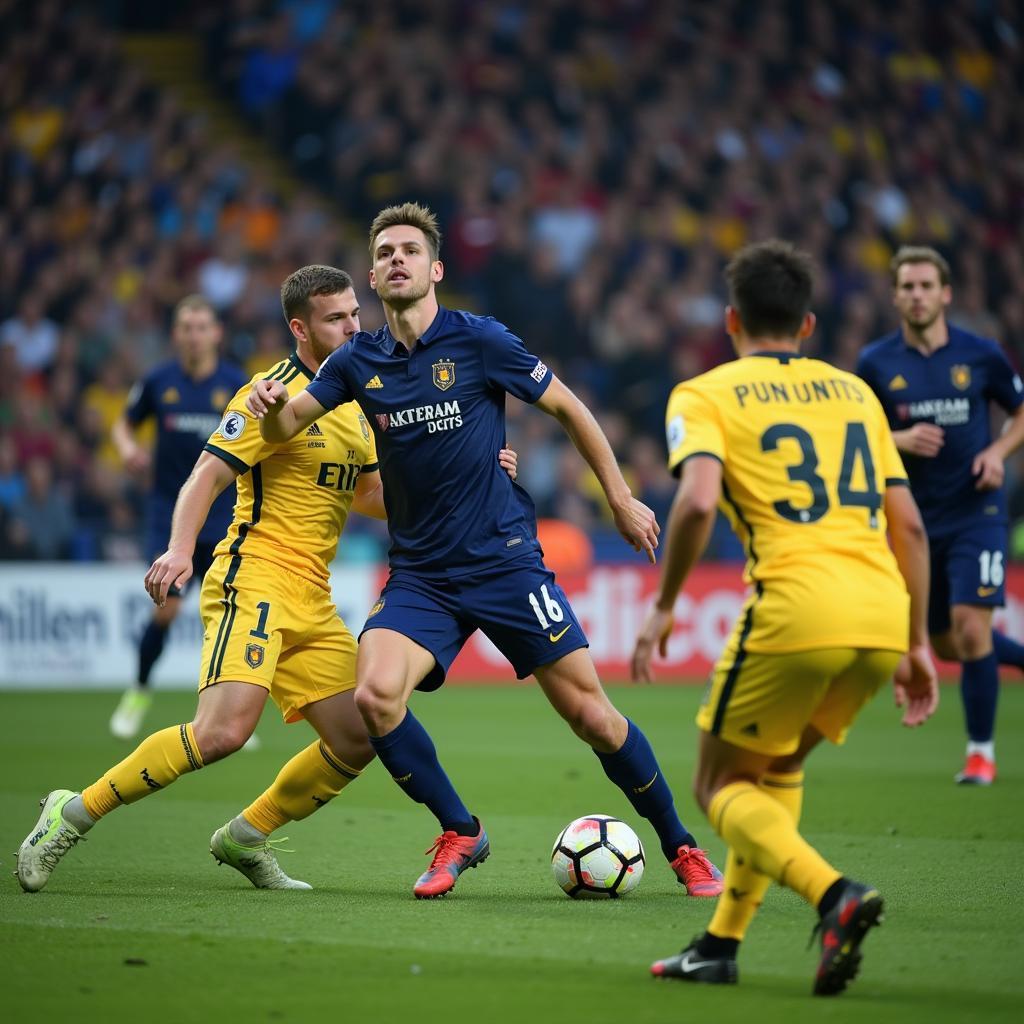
(411, 215)
(193, 304)
(919, 254)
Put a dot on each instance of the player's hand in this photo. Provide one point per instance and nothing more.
(916, 686)
(655, 631)
(637, 524)
(265, 395)
(136, 459)
(509, 461)
(988, 469)
(924, 439)
(172, 569)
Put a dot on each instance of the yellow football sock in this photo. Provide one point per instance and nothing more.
(762, 833)
(308, 781)
(154, 764)
(744, 885)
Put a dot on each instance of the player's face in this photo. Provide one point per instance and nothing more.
(196, 335)
(920, 295)
(403, 271)
(333, 319)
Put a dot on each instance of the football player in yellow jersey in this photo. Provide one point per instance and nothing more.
(271, 626)
(799, 456)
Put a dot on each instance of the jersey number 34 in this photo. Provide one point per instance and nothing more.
(855, 449)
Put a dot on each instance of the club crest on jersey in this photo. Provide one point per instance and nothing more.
(219, 397)
(364, 427)
(444, 374)
(171, 396)
(961, 376)
(254, 655)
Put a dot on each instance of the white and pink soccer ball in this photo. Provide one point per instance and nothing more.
(597, 857)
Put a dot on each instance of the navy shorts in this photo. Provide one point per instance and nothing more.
(968, 567)
(520, 608)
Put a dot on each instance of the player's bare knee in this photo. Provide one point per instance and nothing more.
(217, 740)
(972, 635)
(379, 705)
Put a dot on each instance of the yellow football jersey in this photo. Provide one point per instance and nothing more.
(293, 498)
(807, 455)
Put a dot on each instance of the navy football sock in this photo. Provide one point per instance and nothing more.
(979, 689)
(151, 646)
(1008, 652)
(409, 755)
(634, 769)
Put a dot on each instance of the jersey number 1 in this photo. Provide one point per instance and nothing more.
(855, 448)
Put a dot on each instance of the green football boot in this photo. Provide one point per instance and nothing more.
(44, 847)
(258, 862)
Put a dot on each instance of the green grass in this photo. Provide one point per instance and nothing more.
(139, 924)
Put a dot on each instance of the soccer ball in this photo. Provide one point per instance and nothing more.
(597, 857)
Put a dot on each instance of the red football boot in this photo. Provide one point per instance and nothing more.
(452, 855)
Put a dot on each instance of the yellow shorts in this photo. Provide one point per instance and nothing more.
(265, 625)
(763, 702)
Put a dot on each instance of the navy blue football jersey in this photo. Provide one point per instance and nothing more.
(951, 388)
(438, 414)
(186, 412)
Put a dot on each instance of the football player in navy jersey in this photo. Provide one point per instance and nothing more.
(186, 398)
(937, 383)
(464, 552)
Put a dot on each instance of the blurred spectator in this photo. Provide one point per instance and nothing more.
(31, 334)
(44, 513)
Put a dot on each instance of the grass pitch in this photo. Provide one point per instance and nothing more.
(139, 924)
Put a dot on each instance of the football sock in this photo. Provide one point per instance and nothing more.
(242, 832)
(762, 833)
(74, 813)
(831, 897)
(743, 885)
(979, 689)
(1008, 652)
(987, 750)
(634, 769)
(151, 646)
(409, 755)
(712, 946)
(154, 764)
(312, 778)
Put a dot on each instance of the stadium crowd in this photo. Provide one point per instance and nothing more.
(593, 163)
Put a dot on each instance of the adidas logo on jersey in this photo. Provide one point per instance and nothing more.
(314, 430)
(898, 383)
(373, 383)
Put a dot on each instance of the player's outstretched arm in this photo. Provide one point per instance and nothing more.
(634, 520)
(208, 478)
(916, 682)
(689, 527)
(281, 418)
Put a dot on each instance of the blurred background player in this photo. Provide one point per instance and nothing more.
(937, 384)
(800, 457)
(186, 398)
